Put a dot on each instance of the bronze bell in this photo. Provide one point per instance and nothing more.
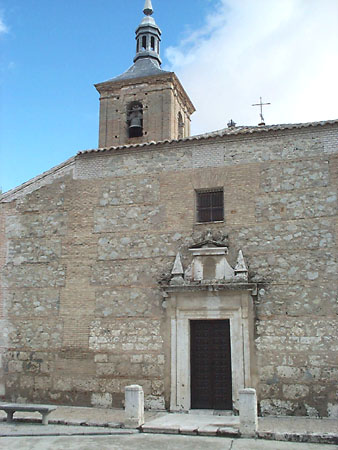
(135, 122)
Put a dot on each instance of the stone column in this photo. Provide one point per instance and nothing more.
(134, 406)
(248, 412)
(2, 384)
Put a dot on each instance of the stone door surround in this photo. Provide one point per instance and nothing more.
(203, 302)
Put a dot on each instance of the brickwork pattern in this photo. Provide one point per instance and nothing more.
(81, 259)
(162, 98)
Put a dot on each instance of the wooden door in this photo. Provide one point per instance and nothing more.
(210, 362)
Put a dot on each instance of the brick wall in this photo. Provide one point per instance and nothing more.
(85, 255)
(162, 98)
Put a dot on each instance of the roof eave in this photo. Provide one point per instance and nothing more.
(237, 131)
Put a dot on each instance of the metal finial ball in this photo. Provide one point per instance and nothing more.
(148, 8)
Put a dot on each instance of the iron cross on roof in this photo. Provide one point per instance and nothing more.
(261, 104)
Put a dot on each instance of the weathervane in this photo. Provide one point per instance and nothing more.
(261, 104)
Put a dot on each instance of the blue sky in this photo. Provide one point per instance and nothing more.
(227, 53)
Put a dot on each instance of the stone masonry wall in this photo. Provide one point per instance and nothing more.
(82, 257)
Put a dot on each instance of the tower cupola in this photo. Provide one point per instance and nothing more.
(144, 103)
(148, 36)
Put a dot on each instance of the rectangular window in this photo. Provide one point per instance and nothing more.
(210, 205)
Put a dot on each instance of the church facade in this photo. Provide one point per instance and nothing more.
(192, 265)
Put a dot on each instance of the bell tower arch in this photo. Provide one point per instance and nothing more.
(143, 104)
(135, 119)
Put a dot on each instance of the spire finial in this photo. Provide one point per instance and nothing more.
(148, 8)
(148, 37)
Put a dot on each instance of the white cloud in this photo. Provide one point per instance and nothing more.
(283, 50)
(3, 26)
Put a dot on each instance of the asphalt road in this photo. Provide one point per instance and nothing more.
(149, 442)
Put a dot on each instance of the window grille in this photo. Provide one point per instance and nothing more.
(210, 205)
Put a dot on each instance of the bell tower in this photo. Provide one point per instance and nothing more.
(145, 103)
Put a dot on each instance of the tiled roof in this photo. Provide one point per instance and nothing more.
(234, 131)
(143, 67)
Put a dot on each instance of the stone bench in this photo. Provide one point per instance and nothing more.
(11, 408)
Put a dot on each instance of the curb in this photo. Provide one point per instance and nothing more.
(310, 438)
(110, 432)
(228, 432)
(73, 423)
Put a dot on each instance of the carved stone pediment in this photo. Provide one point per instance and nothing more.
(209, 265)
(208, 240)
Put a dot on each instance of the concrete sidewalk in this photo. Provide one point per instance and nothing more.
(291, 429)
(142, 441)
(80, 420)
(82, 416)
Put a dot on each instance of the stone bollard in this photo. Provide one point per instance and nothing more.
(134, 406)
(248, 412)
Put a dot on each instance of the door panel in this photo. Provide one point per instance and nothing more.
(210, 357)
